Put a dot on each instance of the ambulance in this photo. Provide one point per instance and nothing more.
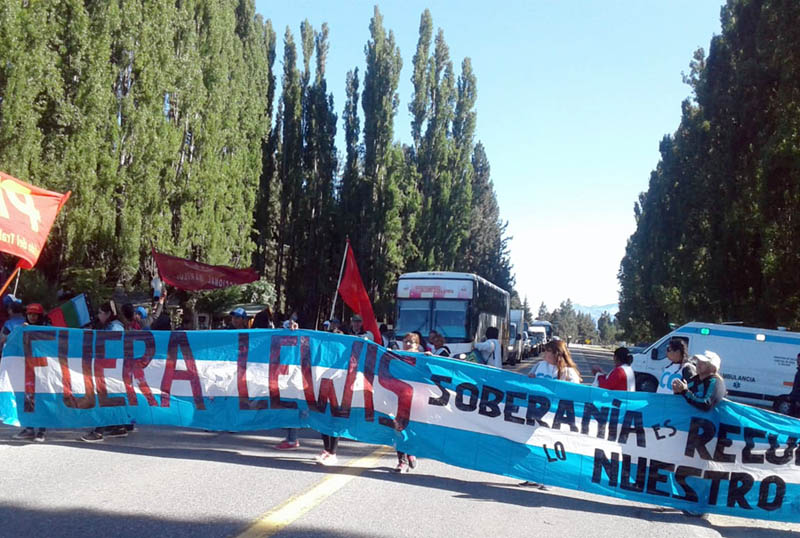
(758, 365)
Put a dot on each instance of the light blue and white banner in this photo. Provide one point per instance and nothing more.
(651, 448)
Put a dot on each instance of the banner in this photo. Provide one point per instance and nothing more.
(652, 448)
(26, 215)
(353, 293)
(193, 276)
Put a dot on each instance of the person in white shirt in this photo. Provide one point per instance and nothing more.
(679, 366)
(490, 348)
(557, 363)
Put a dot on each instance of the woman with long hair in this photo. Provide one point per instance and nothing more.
(678, 367)
(557, 363)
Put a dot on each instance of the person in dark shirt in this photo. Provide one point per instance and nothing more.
(706, 389)
(794, 396)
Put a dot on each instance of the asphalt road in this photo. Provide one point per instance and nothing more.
(174, 482)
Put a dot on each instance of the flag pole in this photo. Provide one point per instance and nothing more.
(341, 271)
(16, 283)
(13, 274)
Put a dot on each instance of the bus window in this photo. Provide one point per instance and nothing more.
(450, 319)
(413, 315)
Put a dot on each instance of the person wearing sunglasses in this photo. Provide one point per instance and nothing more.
(679, 367)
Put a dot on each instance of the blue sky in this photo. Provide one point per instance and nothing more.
(573, 99)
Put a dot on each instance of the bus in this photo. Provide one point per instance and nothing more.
(460, 306)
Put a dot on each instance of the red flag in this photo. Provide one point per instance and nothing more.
(353, 293)
(26, 215)
(190, 275)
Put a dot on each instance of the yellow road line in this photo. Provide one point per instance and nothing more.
(286, 513)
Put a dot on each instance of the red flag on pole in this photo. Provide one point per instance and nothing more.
(353, 293)
(26, 215)
(190, 275)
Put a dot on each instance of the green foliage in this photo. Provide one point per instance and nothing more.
(543, 315)
(261, 291)
(89, 280)
(33, 287)
(607, 329)
(140, 108)
(717, 235)
(159, 117)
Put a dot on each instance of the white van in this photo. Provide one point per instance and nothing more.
(758, 365)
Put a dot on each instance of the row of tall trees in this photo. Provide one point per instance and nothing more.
(171, 127)
(718, 233)
(569, 324)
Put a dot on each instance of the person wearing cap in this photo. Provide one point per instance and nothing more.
(140, 317)
(357, 328)
(34, 315)
(239, 319)
(706, 389)
(326, 326)
(336, 326)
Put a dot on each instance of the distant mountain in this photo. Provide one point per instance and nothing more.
(595, 311)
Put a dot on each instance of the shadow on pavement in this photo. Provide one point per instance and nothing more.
(28, 521)
(228, 448)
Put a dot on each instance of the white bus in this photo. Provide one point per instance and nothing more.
(460, 306)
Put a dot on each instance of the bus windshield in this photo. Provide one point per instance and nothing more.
(450, 320)
(413, 315)
(448, 317)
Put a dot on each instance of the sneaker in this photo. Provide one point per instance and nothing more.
(528, 484)
(412, 462)
(321, 456)
(117, 431)
(288, 445)
(26, 434)
(330, 459)
(402, 467)
(39, 437)
(92, 437)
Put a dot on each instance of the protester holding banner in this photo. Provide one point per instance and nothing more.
(706, 389)
(34, 315)
(439, 347)
(621, 377)
(557, 363)
(357, 328)
(263, 320)
(107, 318)
(406, 462)
(679, 367)
(291, 442)
(239, 319)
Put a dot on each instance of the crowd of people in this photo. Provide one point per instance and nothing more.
(697, 379)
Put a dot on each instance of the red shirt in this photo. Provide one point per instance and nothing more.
(618, 379)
